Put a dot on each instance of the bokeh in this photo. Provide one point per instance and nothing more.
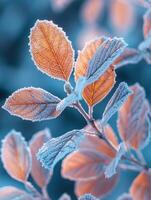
(82, 20)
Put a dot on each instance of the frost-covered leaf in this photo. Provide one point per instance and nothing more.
(96, 91)
(111, 169)
(16, 156)
(51, 50)
(33, 104)
(125, 196)
(145, 48)
(98, 187)
(104, 56)
(116, 101)
(122, 15)
(57, 148)
(87, 197)
(75, 96)
(129, 56)
(133, 122)
(140, 188)
(40, 174)
(147, 24)
(84, 164)
(12, 193)
(65, 197)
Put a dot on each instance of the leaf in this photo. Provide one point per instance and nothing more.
(125, 196)
(104, 56)
(98, 187)
(111, 169)
(129, 56)
(122, 15)
(140, 188)
(72, 98)
(145, 48)
(57, 148)
(116, 101)
(16, 156)
(51, 50)
(40, 175)
(12, 193)
(96, 91)
(65, 197)
(87, 197)
(147, 24)
(33, 104)
(133, 118)
(84, 164)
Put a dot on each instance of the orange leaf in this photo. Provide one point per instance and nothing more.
(141, 187)
(96, 91)
(51, 50)
(98, 187)
(16, 156)
(39, 173)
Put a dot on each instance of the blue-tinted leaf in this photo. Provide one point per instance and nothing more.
(12, 193)
(145, 48)
(75, 96)
(65, 197)
(88, 197)
(57, 148)
(112, 167)
(40, 175)
(33, 104)
(129, 56)
(125, 196)
(118, 98)
(16, 156)
(105, 55)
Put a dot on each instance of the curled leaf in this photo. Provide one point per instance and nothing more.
(87, 197)
(40, 174)
(51, 50)
(12, 193)
(16, 156)
(140, 188)
(98, 187)
(129, 56)
(33, 104)
(104, 56)
(57, 148)
(116, 101)
(133, 123)
(112, 167)
(96, 91)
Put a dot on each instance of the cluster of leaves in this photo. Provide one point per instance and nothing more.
(95, 154)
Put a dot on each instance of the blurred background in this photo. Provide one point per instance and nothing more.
(82, 20)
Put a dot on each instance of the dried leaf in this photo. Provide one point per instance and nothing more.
(65, 197)
(16, 156)
(96, 91)
(122, 15)
(147, 24)
(84, 164)
(51, 50)
(129, 56)
(57, 148)
(40, 174)
(104, 56)
(116, 101)
(125, 196)
(12, 193)
(111, 169)
(133, 121)
(140, 188)
(33, 104)
(87, 197)
(97, 187)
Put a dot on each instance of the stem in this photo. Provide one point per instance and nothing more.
(33, 190)
(102, 136)
(91, 112)
(45, 193)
